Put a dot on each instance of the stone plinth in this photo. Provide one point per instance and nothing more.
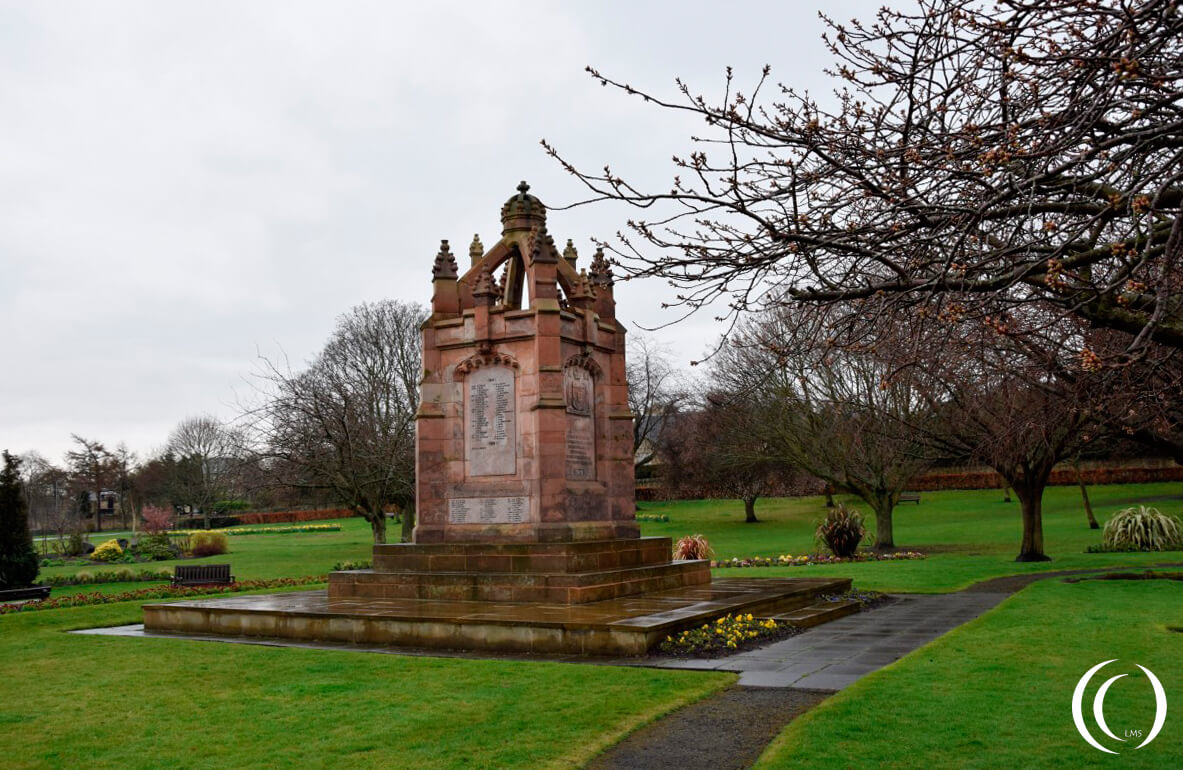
(629, 626)
(557, 573)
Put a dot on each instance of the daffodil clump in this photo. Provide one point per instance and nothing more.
(728, 634)
(807, 559)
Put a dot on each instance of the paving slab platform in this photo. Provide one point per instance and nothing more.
(627, 626)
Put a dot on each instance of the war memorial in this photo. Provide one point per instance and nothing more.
(526, 539)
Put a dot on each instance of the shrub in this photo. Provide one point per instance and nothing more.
(75, 544)
(18, 558)
(208, 543)
(841, 531)
(693, 547)
(156, 547)
(157, 521)
(1142, 528)
(108, 551)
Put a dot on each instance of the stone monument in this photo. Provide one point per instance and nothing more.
(524, 436)
(526, 538)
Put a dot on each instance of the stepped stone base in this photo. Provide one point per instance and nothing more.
(626, 626)
(553, 573)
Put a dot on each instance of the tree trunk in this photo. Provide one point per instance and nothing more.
(1031, 501)
(884, 535)
(378, 525)
(829, 492)
(1084, 495)
(408, 522)
(749, 510)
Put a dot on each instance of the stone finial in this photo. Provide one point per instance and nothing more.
(601, 270)
(570, 254)
(484, 286)
(445, 263)
(522, 211)
(583, 291)
(542, 246)
(476, 250)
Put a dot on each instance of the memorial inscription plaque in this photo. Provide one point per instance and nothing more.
(488, 510)
(490, 440)
(578, 391)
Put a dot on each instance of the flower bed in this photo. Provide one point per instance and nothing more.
(158, 592)
(265, 530)
(125, 575)
(726, 636)
(653, 517)
(805, 560)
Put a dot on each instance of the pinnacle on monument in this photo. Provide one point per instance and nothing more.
(484, 285)
(601, 270)
(570, 254)
(445, 263)
(542, 246)
(522, 211)
(583, 289)
(503, 283)
(476, 250)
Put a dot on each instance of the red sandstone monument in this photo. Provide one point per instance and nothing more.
(524, 436)
(526, 539)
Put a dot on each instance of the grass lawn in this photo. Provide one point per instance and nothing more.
(260, 557)
(997, 692)
(970, 535)
(83, 701)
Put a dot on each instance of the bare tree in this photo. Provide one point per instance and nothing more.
(976, 158)
(839, 414)
(1014, 405)
(710, 451)
(208, 454)
(656, 392)
(123, 463)
(90, 467)
(346, 424)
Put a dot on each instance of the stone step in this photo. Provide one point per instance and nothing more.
(582, 556)
(630, 625)
(559, 588)
(789, 602)
(817, 613)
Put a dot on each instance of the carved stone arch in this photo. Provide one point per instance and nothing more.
(585, 361)
(483, 358)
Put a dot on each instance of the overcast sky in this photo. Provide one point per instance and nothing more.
(186, 184)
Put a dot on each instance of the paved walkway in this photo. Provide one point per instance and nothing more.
(835, 654)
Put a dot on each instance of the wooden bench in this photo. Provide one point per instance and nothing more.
(909, 497)
(202, 575)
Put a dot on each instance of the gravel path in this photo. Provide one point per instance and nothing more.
(725, 731)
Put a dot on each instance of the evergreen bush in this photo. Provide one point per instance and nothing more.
(18, 558)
